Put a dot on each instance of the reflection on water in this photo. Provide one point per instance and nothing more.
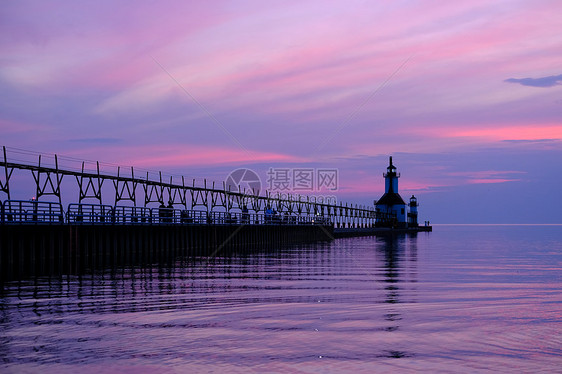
(458, 299)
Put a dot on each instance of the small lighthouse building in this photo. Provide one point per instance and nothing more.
(391, 208)
(413, 215)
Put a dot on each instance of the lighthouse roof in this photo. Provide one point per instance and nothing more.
(391, 198)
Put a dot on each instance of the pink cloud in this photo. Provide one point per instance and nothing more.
(93, 45)
(299, 58)
(488, 181)
(316, 66)
(502, 132)
(484, 173)
(172, 156)
(487, 176)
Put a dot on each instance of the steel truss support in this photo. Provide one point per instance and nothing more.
(129, 185)
(181, 193)
(234, 200)
(5, 185)
(239, 200)
(48, 186)
(219, 198)
(156, 189)
(92, 188)
(256, 203)
(200, 196)
(173, 192)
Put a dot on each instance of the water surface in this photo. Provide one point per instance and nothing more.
(460, 299)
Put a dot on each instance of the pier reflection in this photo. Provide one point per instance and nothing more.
(324, 267)
(320, 293)
(393, 264)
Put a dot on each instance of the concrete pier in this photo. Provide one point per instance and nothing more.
(29, 250)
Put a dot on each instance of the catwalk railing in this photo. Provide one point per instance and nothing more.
(201, 202)
(49, 213)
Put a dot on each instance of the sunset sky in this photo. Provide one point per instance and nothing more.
(465, 95)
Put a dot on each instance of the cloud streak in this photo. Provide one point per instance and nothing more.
(550, 81)
(99, 141)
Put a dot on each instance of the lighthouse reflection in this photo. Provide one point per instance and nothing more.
(398, 255)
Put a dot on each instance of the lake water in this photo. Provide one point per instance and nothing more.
(460, 299)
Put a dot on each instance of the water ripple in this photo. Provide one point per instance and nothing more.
(438, 302)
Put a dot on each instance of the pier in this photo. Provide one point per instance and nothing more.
(38, 236)
(45, 248)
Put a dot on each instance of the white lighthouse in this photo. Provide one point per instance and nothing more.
(391, 207)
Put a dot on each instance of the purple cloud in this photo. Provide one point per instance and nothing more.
(550, 81)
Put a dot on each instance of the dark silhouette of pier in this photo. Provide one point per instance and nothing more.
(39, 236)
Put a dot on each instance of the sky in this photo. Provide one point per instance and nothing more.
(466, 95)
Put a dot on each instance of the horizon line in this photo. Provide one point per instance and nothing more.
(496, 224)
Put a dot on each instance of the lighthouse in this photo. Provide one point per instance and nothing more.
(391, 208)
(413, 215)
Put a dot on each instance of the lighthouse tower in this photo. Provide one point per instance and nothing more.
(391, 207)
(391, 179)
(413, 215)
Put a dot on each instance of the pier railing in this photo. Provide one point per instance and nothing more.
(17, 211)
(39, 212)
